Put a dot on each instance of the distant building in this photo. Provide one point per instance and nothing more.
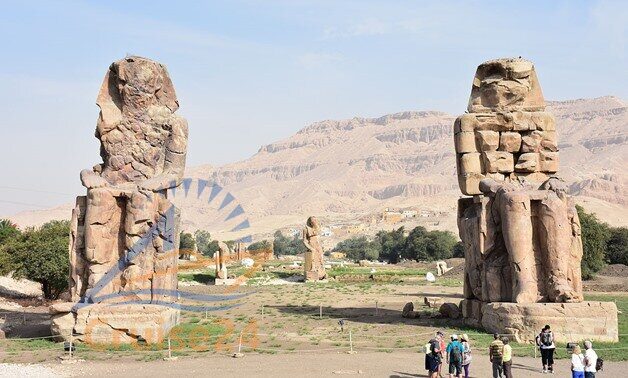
(409, 213)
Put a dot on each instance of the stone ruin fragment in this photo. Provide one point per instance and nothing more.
(124, 237)
(520, 228)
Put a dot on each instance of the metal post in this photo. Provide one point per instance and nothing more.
(535, 352)
(376, 308)
(71, 342)
(169, 349)
(320, 311)
(262, 311)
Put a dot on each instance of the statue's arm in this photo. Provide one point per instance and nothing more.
(174, 161)
(306, 240)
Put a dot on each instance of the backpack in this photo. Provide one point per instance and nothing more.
(547, 338)
(599, 365)
(497, 351)
(456, 354)
(466, 354)
(433, 344)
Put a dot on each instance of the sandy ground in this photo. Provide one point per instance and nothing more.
(403, 364)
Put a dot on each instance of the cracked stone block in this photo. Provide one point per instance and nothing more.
(470, 183)
(465, 142)
(510, 142)
(590, 320)
(528, 162)
(548, 161)
(471, 163)
(522, 121)
(543, 121)
(487, 140)
(498, 161)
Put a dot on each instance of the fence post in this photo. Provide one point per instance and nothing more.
(350, 341)
(169, 349)
(205, 314)
(320, 311)
(240, 344)
(376, 308)
(71, 342)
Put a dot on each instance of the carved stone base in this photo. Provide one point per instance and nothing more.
(595, 321)
(124, 324)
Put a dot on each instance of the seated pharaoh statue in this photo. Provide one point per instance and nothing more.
(124, 238)
(520, 228)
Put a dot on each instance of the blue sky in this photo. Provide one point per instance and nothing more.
(250, 72)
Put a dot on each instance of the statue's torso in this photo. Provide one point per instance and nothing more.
(134, 150)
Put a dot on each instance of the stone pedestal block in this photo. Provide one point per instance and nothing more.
(595, 321)
(116, 324)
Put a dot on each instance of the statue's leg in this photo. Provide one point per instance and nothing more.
(103, 218)
(141, 217)
(555, 232)
(516, 221)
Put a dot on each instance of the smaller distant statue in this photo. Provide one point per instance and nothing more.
(314, 266)
(441, 268)
(220, 258)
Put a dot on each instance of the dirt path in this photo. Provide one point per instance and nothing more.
(403, 364)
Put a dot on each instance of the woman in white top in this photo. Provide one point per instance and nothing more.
(466, 355)
(577, 363)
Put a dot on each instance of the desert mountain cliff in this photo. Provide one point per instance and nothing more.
(347, 172)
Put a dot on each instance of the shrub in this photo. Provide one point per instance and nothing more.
(617, 246)
(41, 255)
(595, 235)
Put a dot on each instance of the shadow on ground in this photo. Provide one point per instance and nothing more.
(369, 315)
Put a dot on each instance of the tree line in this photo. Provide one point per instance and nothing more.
(396, 245)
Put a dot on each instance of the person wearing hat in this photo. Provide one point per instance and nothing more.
(454, 356)
(466, 354)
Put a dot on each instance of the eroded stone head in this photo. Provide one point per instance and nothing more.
(133, 84)
(506, 84)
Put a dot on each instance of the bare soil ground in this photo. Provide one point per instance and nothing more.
(364, 364)
(287, 330)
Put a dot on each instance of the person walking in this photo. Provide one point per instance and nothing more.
(590, 360)
(496, 354)
(432, 357)
(466, 354)
(441, 347)
(507, 358)
(545, 341)
(577, 363)
(454, 357)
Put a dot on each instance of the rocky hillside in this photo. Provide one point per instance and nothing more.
(352, 169)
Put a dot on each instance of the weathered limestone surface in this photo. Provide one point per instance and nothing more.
(123, 243)
(313, 266)
(570, 321)
(520, 230)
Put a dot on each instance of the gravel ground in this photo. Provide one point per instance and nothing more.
(23, 370)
